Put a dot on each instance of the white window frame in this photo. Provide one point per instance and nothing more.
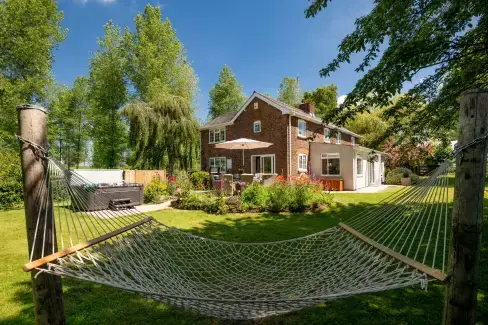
(256, 123)
(301, 168)
(222, 159)
(353, 140)
(211, 135)
(326, 135)
(261, 163)
(338, 137)
(362, 166)
(304, 124)
(328, 156)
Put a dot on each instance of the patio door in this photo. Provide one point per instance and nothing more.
(371, 174)
(263, 164)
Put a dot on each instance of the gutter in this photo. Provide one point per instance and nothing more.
(289, 145)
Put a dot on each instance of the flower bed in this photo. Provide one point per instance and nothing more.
(297, 194)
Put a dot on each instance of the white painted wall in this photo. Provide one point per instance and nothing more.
(347, 157)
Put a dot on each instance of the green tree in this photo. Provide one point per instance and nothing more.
(373, 128)
(69, 127)
(162, 126)
(226, 96)
(290, 91)
(324, 99)
(29, 31)
(108, 92)
(158, 64)
(450, 36)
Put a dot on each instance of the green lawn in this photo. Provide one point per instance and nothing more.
(88, 303)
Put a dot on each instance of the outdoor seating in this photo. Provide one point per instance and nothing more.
(228, 184)
(268, 180)
(247, 178)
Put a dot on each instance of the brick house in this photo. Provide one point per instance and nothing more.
(302, 143)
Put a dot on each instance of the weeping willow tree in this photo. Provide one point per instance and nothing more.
(162, 130)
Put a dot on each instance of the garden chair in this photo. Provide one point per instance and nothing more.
(247, 178)
(228, 185)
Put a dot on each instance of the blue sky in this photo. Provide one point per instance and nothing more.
(262, 41)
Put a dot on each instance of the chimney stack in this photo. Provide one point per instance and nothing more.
(307, 108)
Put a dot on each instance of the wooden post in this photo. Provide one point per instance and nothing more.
(464, 253)
(47, 290)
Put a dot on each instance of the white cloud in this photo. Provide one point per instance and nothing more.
(341, 99)
(107, 1)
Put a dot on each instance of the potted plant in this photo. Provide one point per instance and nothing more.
(405, 180)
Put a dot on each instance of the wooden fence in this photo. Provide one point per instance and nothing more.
(143, 176)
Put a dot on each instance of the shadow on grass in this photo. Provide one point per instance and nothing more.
(88, 303)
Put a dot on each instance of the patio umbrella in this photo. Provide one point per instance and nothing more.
(243, 144)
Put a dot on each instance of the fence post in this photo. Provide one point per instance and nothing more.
(46, 288)
(467, 218)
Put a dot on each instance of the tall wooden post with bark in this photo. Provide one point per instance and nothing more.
(47, 290)
(464, 253)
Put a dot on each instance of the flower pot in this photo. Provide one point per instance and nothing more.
(405, 181)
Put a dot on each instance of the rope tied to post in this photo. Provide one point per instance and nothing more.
(459, 149)
(39, 151)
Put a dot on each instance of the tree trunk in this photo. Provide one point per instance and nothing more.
(47, 290)
(464, 252)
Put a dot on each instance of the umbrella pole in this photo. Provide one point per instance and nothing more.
(242, 157)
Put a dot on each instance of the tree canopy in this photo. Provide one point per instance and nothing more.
(69, 123)
(109, 91)
(398, 39)
(290, 91)
(163, 130)
(324, 99)
(226, 96)
(29, 31)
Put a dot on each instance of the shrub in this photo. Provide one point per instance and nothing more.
(320, 198)
(301, 194)
(255, 196)
(217, 206)
(154, 190)
(179, 184)
(279, 197)
(11, 188)
(393, 177)
(200, 180)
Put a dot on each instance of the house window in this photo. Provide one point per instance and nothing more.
(353, 141)
(216, 135)
(359, 166)
(218, 164)
(326, 135)
(302, 128)
(331, 164)
(257, 126)
(302, 162)
(338, 137)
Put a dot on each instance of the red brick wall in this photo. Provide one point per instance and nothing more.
(273, 129)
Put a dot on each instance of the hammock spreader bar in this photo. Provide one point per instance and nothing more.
(413, 263)
(65, 252)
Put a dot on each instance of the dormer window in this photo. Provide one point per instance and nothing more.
(326, 135)
(257, 126)
(338, 137)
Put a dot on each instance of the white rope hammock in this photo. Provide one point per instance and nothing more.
(400, 242)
